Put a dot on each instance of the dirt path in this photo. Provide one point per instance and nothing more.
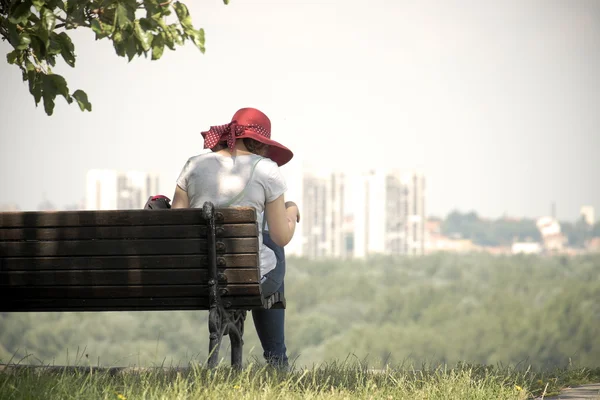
(584, 392)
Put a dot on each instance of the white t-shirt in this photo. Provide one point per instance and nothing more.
(218, 178)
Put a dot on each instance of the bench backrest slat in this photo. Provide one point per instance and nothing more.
(123, 247)
(129, 304)
(125, 232)
(123, 217)
(125, 262)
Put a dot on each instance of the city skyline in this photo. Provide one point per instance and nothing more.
(294, 193)
(383, 211)
(496, 103)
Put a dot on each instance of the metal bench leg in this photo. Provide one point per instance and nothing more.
(236, 335)
(216, 311)
(220, 321)
(215, 329)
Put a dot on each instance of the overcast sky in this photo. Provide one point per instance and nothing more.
(498, 103)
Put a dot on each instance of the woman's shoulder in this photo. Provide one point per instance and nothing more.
(268, 169)
(266, 164)
(200, 157)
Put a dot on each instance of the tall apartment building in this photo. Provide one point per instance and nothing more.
(115, 190)
(322, 214)
(389, 213)
(587, 213)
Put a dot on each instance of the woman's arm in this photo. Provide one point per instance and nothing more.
(180, 198)
(281, 220)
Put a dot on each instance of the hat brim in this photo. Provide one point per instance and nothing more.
(277, 152)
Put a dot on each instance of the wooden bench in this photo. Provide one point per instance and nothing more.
(133, 260)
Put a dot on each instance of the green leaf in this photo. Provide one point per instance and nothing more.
(38, 4)
(124, 16)
(118, 43)
(170, 37)
(71, 6)
(131, 48)
(158, 46)
(117, 37)
(13, 35)
(20, 14)
(226, 2)
(145, 38)
(34, 87)
(29, 65)
(13, 56)
(82, 100)
(151, 7)
(48, 19)
(55, 84)
(97, 28)
(102, 29)
(38, 47)
(42, 34)
(148, 24)
(198, 39)
(24, 41)
(54, 47)
(67, 48)
(183, 14)
(48, 102)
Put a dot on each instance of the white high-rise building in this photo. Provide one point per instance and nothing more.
(414, 230)
(323, 215)
(388, 213)
(115, 190)
(587, 213)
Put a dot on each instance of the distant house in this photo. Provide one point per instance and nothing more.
(554, 240)
(593, 245)
(526, 248)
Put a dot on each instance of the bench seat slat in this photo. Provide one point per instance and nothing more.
(123, 262)
(125, 304)
(122, 247)
(100, 292)
(129, 277)
(126, 232)
(187, 216)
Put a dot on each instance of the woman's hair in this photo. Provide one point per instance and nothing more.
(256, 147)
(253, 146)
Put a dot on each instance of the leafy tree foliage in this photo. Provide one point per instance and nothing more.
(500, 232)
(579, 232)
(38, 32)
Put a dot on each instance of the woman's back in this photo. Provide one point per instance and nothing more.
(246, 180)
(220, 179)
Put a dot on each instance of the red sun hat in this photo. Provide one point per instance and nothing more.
(248, 123)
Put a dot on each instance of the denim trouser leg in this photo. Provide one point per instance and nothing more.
(270, 324)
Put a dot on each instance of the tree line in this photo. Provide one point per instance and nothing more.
(439, 308)
(503, 231)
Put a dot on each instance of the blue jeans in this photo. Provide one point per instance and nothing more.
(270, 324)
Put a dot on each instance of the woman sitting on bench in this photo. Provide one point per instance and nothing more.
(243, 171)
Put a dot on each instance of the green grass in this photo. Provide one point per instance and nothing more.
(328, 381)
